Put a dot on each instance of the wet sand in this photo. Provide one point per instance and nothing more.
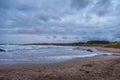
(113, 51)
(92, 68)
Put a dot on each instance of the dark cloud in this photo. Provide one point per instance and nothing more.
(80, 4)
(8, 4)
(102, 7)
(26, 8)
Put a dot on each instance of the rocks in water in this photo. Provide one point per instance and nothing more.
(2, 50)
(90, 50)
(78, 48)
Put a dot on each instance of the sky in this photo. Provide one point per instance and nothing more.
(38, 21)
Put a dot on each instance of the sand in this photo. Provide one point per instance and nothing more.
(91, 68)
(113, 51)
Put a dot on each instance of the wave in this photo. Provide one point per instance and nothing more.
(44, 53)
(26, 47)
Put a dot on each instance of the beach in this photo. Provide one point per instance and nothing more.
(59, 40)
(101, 67)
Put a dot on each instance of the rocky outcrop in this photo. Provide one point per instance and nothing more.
(78, 48)
(2, 50)
(89, 50)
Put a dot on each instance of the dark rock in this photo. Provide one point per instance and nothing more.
(2, 50)
(89, 50)
(87, 72)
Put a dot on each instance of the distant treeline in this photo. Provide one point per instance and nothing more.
(59, 44)
(74, 44)
(91, 42)
(97, 42)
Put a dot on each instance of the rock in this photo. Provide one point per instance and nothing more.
(2, 50)
(87, 72)
(89, 50)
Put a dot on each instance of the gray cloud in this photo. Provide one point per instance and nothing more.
(102, 7)
(80, 4)
(90, 19)
(6, 4)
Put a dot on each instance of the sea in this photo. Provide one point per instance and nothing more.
(19, 54)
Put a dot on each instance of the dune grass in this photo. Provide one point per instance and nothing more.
(113, 45)
(109, 45)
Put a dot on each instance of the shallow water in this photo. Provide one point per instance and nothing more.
(16, 54)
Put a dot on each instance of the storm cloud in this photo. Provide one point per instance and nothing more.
(88, 19)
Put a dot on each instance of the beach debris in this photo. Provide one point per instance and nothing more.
(2, 50)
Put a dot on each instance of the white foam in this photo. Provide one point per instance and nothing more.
(44, 53)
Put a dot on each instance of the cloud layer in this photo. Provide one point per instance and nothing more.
(88, 19)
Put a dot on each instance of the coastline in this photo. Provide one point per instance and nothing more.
(91, 68)
(113, 51)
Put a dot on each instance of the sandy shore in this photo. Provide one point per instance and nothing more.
(93, 68)
(114, 52)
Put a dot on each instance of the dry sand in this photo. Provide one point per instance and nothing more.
(93, 68)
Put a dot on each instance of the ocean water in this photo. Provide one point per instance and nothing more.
(16, 54)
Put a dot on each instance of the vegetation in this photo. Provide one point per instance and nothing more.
(113, 45)
(59, 44)
(98, 42)
(103, 44)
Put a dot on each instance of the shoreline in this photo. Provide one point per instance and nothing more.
(113, 51)
(90, 68)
